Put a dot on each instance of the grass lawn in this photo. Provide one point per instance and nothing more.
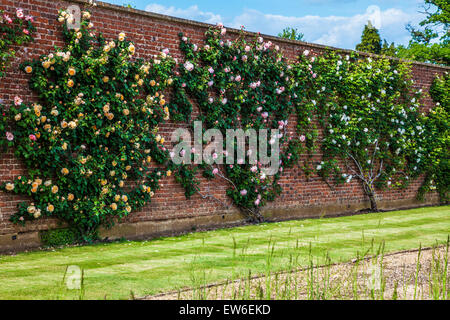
(150, 267)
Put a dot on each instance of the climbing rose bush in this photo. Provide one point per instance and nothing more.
(437, 141)
(15, 29)
(91, 143)
(241, 84)
(372, 126)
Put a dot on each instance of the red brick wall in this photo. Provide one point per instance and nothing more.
(152, 33)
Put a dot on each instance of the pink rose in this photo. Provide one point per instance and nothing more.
(19, 13)
(7, 18)
(17, 101)
(244, 193)
(9, 136)
(32, 137)
(215, 171)
(302, 138)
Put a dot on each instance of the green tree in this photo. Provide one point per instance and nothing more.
(370, 40)
(389, 49)
(291, 34)
(431, 43)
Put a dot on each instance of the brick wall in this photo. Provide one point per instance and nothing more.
(151, 33)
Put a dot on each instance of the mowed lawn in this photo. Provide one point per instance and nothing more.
(113, 271)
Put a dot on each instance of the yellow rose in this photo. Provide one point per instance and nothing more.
(37, 214)
(114, 206)
(9, 187)
(28, 69)
(55, 189)
(122, 36)
(72, 71)
(65, 171)
(132, 48)
(50, 208)
(70, 197)
(70, 83)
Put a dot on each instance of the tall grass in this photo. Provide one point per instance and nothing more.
(365, 278)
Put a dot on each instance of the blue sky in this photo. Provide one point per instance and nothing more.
(336, 23)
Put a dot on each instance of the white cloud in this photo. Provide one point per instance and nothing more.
(338, 31)
(192, 13)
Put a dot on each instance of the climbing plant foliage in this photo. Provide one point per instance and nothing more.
(94, 154)
(15, 29)
(90, 132)
(370, 115)
(241, 84)
(437, 142)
